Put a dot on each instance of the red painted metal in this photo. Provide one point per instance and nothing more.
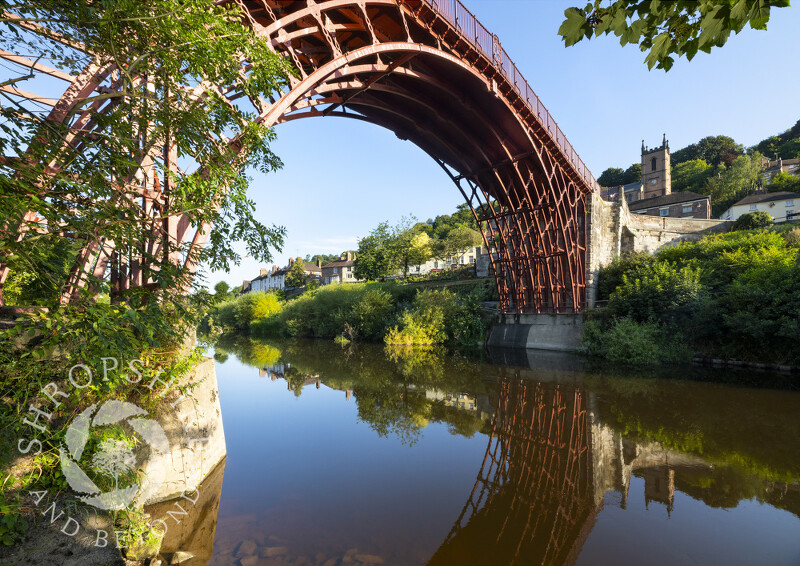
(433, 74)
(533, 501)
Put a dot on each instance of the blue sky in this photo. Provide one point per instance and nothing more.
(342, 177)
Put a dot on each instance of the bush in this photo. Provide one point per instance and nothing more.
(630, 264)
(629, 342)
(238, 313)
(424, 322)
(252, 306)
(752, 221)
(792, 237)
(661, 293)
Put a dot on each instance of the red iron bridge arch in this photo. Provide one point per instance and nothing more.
(431, 73)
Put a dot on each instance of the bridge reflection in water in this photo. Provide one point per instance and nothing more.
(567, 450)
(532, 502)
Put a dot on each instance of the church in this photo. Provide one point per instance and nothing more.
(653, 194)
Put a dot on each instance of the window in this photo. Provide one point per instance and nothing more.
(653, 164)
(687, 208)
(789, 203)
(335, 270)
(753, 207)
(663, 212)
(653, 181)
(471, 259)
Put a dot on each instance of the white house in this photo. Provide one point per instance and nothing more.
(269, 280)
(468, 257)
(781, 206)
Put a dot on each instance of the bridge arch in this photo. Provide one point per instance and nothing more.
(431, 73)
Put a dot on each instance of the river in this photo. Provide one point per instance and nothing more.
(369, 455)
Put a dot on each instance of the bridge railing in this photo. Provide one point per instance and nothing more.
(473, 31)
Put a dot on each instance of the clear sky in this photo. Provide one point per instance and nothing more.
(341, 177)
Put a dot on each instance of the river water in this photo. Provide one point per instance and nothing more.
(369, 455)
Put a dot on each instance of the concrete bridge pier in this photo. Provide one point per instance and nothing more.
(557, 332)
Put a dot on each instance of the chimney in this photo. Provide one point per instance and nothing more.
(291, 261)
(264, 271)
(349, 256)
(274, 268)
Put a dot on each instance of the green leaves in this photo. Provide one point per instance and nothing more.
(575, 26)
(667, 29)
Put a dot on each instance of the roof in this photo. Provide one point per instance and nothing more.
(666, 200)
(311, 267)
(635, 186)
(767, 197)
(340, 263)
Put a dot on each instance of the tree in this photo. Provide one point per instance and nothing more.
(221, 292)
(611, 177)
(158, 50)
(712, 149)
(666, 29)
(413, 247)
(691, 175)
(753, 221)
(784, 182)
(735, 182)
(785, 145)
(297, 274)
(456, 243)
(376, 257)
(632, 174)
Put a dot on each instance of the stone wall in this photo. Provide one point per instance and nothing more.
(613, 230)
(191, 417)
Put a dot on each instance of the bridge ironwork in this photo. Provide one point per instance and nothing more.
(533, 501)
(431, 73)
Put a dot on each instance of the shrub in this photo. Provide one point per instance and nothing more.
(630, 264)
(662, 293)
(424, 322)
(752, 221)
(629, 342)
(792, 237)
(238, 313)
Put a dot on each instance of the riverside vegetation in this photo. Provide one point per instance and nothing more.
(376, 312)
(734, 295)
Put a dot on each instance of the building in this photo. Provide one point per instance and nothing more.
(772, 168)
(653, 194)
(632, 191)
(269, 280)
(683, 204)
(469, 256)
(312, 271)
(782, 206)
(275, 279)
(340, 271)
(656, 175)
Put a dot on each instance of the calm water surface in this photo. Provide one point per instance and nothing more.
(410, 457)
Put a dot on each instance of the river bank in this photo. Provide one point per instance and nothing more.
(731, 296)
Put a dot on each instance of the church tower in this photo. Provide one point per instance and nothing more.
(656, 177)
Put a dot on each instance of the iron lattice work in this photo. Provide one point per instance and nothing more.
(431, 73)
(532, 500)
